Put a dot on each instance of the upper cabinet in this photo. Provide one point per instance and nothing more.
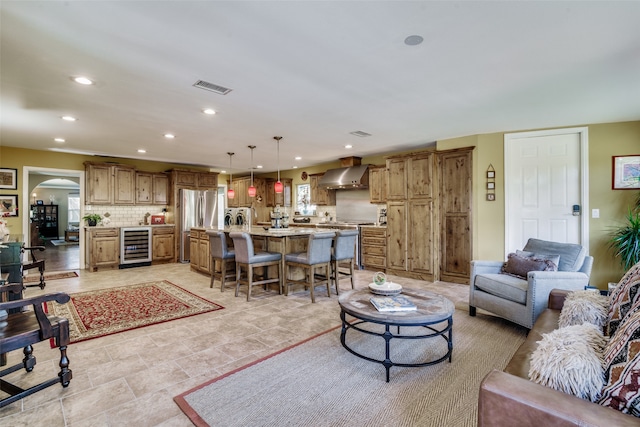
(378, 184)
(99, 184)
(283, 199)
(108, 184)
(152, 188)
(320, 196)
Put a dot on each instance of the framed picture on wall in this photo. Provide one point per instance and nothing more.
(8, 179)
(626, 172)
(8, 205)
(491, 185)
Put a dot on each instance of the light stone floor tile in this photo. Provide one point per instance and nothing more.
(130, 378)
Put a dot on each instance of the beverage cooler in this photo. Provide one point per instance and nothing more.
(135, 246)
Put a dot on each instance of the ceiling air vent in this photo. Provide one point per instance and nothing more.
(360, 133)
(211, 87)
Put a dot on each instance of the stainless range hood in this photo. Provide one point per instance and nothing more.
(349, 178)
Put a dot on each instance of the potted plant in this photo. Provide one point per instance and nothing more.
(625, 240)
(92, 219)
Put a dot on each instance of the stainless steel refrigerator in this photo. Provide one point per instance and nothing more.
(197, 209)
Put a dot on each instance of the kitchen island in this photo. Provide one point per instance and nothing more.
(281, 240)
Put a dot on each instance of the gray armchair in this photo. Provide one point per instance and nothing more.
(521, 301)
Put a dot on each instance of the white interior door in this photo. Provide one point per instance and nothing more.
(545, 193)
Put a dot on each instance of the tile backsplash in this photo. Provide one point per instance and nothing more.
(125, 216)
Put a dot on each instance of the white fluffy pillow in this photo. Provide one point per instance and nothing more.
(569, 359)
(584, 306)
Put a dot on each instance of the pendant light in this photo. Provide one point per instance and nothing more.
(252, 189)
(230, 192)
(278, 187)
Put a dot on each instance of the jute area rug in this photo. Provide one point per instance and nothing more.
(34, 277)
(319, 383)
(108, 311)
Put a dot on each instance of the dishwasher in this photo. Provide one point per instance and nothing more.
(135, 246)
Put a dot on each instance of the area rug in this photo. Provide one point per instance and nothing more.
(60, 242)
(318, 383)
(34, 277)
(103, 312)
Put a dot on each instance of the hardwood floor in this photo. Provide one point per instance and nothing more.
(60, 258)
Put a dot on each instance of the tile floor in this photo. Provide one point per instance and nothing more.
(130, 378)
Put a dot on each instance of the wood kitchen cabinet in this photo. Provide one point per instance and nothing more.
(124, 185)
(374, 247)
(283, 199)
(429, 215)
(99, 183)
(163, 244)
(102, 248)
(378, 184)
(152, 188)
(160, 189)
(320, 196)
(200, 252)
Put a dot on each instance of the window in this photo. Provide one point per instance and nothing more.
(73, 210)
(303, 200)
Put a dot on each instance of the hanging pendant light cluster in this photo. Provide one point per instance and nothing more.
(230, 192)
(252, 189)
(278, 187)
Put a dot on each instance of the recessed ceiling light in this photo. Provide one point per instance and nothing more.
(298, 158)
(413, 40)
(259, 167)
(209, 111)
(58, 139)
(142, 151)
(295, 167)
(169, 135)
(69, 118)
(348, 146)
(83, 80)
(223, 171)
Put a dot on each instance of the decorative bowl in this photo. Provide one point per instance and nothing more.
(386, 289)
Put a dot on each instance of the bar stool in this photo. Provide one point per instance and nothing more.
(221, 253)
(344, 249)
(318, 255)
(248, 259)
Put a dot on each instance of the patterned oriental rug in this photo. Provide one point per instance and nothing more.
(103, 312)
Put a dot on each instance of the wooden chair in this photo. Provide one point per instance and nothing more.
(318, 255)
(344, 250)
(22, 329)
(221, 253)
(35, 263)
(248, 259)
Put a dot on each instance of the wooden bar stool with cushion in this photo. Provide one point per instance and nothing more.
(344, 250)
(248, 259)
(318, 255)
(221, 253)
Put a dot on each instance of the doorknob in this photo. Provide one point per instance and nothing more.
(576, 210)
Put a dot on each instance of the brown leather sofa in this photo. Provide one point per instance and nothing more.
(507, 398)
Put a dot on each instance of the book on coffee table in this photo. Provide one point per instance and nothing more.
(393, 303)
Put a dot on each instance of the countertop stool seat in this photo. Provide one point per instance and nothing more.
(318, 255)
(247, 259)
(220, 252)
(344, 250)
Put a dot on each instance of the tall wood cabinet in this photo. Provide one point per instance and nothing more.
(429, 215)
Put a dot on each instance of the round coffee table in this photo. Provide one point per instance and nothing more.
(432, 310)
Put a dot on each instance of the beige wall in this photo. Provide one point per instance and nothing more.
(605, 141)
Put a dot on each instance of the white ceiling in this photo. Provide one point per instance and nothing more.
(310, 71)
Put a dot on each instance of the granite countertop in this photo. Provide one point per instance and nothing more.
(260, 231)
(375, 225)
